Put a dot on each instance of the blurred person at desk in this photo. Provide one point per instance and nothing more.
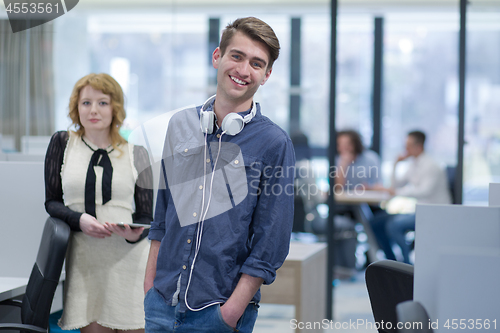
(356, 165)
(356, 170)
(423, 182)
(93, 180)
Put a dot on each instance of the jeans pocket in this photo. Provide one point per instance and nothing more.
(247, 320)
(148, 292)
(224, 325)
(147, 297)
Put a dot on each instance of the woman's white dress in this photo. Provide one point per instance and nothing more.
(104, 277)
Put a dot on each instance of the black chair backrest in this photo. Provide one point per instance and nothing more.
(45, 274)
(388, 282)
(413, 318)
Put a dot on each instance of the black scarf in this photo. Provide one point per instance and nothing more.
(101, 158)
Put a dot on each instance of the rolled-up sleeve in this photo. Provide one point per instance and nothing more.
(273, 215)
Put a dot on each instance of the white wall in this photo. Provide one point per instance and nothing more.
(23, 215)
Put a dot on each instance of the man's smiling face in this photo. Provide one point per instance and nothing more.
(242, 68)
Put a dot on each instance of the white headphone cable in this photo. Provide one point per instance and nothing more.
(199, 232)
(200, 221)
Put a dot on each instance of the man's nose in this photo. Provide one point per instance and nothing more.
(243, 68)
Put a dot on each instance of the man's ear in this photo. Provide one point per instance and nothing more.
(268, 74)
(216, 58)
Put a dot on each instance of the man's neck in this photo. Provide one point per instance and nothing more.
(419, 154)
(223, 107)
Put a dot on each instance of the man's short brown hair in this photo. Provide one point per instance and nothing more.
(257, 30)
(418, 137)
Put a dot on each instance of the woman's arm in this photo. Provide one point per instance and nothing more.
(54, 204)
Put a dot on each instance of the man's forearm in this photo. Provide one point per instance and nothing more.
(246, 288)
(151, 265)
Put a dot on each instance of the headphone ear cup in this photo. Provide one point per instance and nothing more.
(207, 121)
(232, 124)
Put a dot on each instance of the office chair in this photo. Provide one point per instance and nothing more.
(413, 317)
(43, 280)
(389, 283)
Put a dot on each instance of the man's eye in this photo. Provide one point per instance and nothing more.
(235, 56)
(257, 65)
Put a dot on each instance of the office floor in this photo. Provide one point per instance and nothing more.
(352, 311)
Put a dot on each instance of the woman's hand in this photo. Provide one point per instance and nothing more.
(125, 231)
(91, 227)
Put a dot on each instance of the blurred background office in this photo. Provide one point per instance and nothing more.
(397, 70)
(159, 51)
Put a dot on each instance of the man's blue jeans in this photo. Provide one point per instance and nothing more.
(389, 229)
(396, 229)
(163, 318)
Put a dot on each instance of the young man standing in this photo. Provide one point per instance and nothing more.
(225, 205)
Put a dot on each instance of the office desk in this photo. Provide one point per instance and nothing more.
(360, 203)
(301, 281)
(368, 197)
(11, 287)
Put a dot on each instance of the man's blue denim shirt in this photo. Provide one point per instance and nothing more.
(252, 237)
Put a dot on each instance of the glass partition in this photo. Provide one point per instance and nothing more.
(482, 104)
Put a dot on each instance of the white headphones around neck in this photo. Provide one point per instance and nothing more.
(232, 124)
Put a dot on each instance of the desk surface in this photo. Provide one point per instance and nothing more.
(11, 287)
(302, 251)
(370, 197)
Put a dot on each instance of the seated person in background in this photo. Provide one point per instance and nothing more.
(424, 180)
(356, 168)
(355, 164)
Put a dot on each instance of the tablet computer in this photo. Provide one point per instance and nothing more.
(135, 225)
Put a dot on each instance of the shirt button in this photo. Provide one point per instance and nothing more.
(194, 214)
(208, 160)
(186, 150)
(218, 136)
(189, 241)
(236, 161)
(184, 266)
(201, 187)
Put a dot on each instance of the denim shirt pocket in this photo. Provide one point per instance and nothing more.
(184, 163)
(185, 173)
(234, 170)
